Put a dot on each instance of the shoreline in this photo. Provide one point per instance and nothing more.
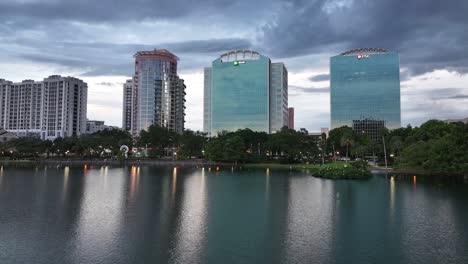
(199, 162)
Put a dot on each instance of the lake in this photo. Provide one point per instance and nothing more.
(150, 214)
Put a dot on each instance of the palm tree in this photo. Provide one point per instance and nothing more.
(347, 140)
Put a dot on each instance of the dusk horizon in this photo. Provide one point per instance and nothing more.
(43, 38)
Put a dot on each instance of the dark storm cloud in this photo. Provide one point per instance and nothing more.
(428, 34)
(320, 78)
(107, 10)
(101, 58)
(457, 96)
(297, 90)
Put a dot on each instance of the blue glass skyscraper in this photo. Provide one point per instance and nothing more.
(243, 89)
(365, 89)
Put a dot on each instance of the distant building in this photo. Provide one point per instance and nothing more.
(465, 121)
(369, 127)
(325, 130)
(244, 89)
(365, 85)
(6, 136)
(291, 117)
(156, 95)
(94, 126)
(54, 107)
(127, 105)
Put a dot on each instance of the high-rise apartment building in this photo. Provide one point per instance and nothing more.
(127, 105)
(365, 90)
(291, 117)
(243, 89)
(55, 107)
(156, 95)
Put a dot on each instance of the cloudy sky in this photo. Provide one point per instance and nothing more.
(95, 40)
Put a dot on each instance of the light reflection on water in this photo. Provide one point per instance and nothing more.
(142, 214)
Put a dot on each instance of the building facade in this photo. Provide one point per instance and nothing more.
(156, 94)
(94, 126)
(127, 105)
(365, 89)
(55, 107)
(291, 117)
(243, 89)
(454, 121)
(6, 136)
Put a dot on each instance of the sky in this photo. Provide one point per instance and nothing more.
(96, 40)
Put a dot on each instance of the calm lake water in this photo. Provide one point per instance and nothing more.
(193, 215)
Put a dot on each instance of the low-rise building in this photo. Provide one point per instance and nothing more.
(6, 136)
(94, 126)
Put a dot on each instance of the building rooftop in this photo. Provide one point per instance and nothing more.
(157, 52)
(240, 55)
(364, 51)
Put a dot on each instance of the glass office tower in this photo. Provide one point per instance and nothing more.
(157, 93)
(365, 89)
(243, 89)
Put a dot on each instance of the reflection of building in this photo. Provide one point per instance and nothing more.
(156, 95)
(54, 107)
(465, 121)
(365, 85)
(243, 89)
(291, 117)
(369, 127)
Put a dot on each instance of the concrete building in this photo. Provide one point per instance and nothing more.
(6, 136)
(465, 121)
(127, 105)
(291, 117)
(325, 130)
(54, 107)
(156, 95)
(365, 90)
(244, 89)
(94, 126)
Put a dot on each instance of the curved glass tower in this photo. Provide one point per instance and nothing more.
(243, 89)
(365, 89)
(158, 93)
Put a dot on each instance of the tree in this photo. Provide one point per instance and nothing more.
(347, 141)
(191, 144)
(234, 149)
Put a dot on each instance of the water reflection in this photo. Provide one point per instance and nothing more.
(66, 173)
(1, 176)
(187, 215)
(99, 220)
(309, 230)
(392, 195)
(191, 229)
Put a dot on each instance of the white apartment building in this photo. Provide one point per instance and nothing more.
(54, 107)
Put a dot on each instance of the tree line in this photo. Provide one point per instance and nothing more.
(435, 146)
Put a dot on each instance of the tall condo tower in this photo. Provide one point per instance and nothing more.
(156, 94)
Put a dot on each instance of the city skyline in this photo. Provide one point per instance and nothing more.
(42, 38)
